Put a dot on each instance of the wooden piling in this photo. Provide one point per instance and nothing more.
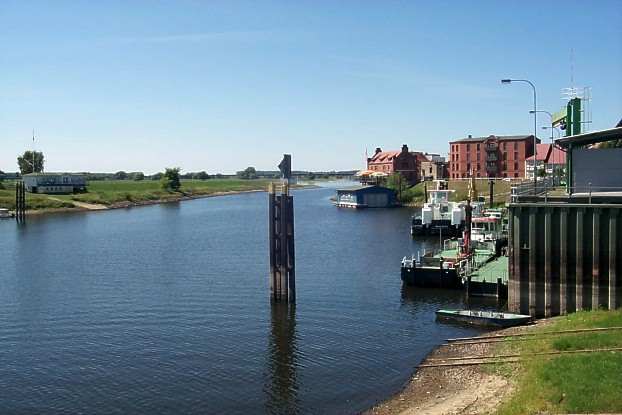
(613, 240)
(563, 258)
(548, 298)
(532, 262)
(281, 239)
(20, 202)
(595, 259)
(579, 262)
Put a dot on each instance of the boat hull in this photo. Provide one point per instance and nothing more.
(436, 227)
(483, 318)
(430, 277)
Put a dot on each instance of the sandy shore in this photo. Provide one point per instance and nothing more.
(451, 390)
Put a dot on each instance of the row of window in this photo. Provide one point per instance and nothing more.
(456, 166)
(454, 147)
(464, 175)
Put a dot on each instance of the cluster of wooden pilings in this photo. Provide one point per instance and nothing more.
(20, 202)
(564, 257)
(282, 255)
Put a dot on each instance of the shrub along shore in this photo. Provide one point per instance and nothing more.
(123, 193)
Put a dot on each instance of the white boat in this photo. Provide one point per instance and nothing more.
(4, 213)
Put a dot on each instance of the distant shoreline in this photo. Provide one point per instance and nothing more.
(81, 207)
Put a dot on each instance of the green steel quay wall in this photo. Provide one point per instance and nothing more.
(564, 257)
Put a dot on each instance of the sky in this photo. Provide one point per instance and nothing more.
(222, 85)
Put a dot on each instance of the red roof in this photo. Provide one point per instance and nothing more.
(557, 156)
(384, 156)
(419, 156)
(542, 152)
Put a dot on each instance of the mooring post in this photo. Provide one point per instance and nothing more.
(281, 239)
(491, 185)
(20, 202)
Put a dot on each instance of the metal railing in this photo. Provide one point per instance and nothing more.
(545, 187)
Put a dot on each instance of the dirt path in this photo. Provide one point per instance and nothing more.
(82, 205)
(451, 390)
(89, 206)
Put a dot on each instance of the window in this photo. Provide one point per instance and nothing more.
(477, 174)
(478, 167)
(505, 175)
(468, 166)
(515, 174)
(505, 146)
(515, 166)
(516, 155)
(505, 155)
(515, 145)
(477, 146)
(468, 146)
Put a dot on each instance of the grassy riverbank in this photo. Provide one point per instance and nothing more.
(111, 193)
(453, 380)
(567, 383)
(501, 191)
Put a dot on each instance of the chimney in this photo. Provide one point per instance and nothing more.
(404, 148)
(470, 136)
(378, 150)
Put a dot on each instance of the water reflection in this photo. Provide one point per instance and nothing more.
(281, 387)
(418, 295)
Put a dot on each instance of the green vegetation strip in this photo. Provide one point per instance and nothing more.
(553, 375)
(114, 192)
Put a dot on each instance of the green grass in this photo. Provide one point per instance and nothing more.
(116, 191)
(501, 191)
(575, 383)
(415, 196)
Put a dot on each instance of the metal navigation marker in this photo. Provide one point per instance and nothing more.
(286, 166)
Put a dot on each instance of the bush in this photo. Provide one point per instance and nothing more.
(170, 180)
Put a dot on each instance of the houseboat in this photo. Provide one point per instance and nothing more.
(366, 197)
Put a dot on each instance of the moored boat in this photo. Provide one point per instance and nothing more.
(483, 318)
(5, 214)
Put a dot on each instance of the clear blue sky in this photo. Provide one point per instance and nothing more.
(221, 85)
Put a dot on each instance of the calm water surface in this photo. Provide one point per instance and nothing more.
(164, 309)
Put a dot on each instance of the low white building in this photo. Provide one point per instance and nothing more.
(54, 182)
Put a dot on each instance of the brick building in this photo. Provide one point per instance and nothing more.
(432, 167)
(389, 162)
(492, 156)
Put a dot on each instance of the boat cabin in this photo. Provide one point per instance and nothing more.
(485, 228)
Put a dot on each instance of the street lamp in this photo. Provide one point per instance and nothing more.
(550, 116)
(535, 122)
(559, 133)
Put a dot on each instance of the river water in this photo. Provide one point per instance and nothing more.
(164, 310)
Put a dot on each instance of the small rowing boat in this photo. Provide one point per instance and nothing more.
(483, 318)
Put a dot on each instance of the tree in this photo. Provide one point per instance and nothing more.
(120, 175)
(248, 173)
(25, 162)
(137, 176)
(157, 176)
(202, 175)
(170, 179)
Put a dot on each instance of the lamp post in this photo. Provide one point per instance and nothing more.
(535, 122)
